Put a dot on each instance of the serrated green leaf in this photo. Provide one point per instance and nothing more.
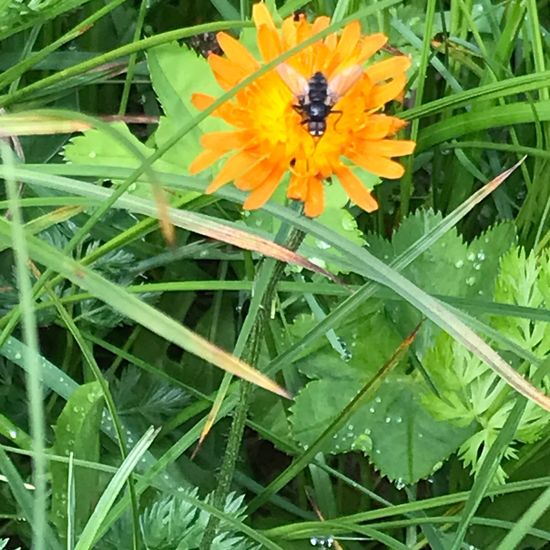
(101, 148)
(368, 343)
(450, 267)
(394, 419)
(77, 432)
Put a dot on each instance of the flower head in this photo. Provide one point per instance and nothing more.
(271, 137)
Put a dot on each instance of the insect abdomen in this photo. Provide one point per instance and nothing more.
(318, 87)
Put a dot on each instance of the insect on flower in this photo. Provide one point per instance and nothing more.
(320, 118)
(316, 97)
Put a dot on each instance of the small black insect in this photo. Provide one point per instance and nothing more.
(317, 96)
(204, 44)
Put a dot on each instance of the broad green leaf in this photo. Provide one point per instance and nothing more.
(176, 74)
(451, 267)
(394, 419)
(368, 342)
(77, 432)
(101, 148)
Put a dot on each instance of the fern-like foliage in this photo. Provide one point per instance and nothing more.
(139, 395)
(174, 523)
(469, 391)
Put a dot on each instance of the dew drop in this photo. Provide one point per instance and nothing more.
(470, 281)
(481, 255)
(17, 356)
(322, 244)
(378, 399)
(92, 154)
(371, 409)
(459, 264)
(388, 419)
(477, 267)
(471, 256)
(399, 420)
(13, 434)
(399, 484)
(350, 427)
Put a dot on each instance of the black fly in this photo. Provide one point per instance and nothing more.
(317, 96)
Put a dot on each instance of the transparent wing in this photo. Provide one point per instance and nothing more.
(342, 82)
(295, 81)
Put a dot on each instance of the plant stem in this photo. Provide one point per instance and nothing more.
(250, 355)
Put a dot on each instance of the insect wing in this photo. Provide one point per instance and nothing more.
(295, 81)
(341, 83)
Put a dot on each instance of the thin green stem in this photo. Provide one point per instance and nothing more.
(406, 182)
(250, 355)
(132, 60)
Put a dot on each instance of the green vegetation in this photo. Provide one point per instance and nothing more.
(177, 373)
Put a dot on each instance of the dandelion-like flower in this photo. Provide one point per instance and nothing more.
(271, 137)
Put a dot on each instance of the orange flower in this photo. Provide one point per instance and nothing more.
(271, 138)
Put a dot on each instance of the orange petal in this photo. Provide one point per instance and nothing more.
(320, 24)
(370, 45)
(226, 111)
(203, 160)
(303, 30)
(388, 147)
(235, 167)
(225, 141)
(331, 42)
(237, 53)
(349, 39)
(255, 176)
(382, 93)
(315, 202)
(288, 31)
(261, 16)
(226, 72)
(263, 193)
(268, 43)
(355, 190)
(297, 188)
(202, 101)
(380, 126)
(377, 127)
(389, 68)
(380, 166)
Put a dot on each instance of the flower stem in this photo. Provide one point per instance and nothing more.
(250, 355)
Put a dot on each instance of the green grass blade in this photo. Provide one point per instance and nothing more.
(34, 388)
(523, 526)
(134, 308)
(105, 503)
